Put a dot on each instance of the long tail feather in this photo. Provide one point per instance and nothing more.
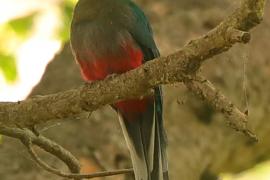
(145, 138)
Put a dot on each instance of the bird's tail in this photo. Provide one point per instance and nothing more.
(145, 138)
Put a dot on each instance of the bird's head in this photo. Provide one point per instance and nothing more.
(88, 10)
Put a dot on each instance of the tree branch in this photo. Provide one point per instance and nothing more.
(45, 166)
(207, 92)
(45, 144)
(173, 68)
(28, 138)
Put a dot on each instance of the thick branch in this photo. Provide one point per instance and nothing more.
(164, 70)
(207, 92)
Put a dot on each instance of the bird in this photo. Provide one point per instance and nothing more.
(112, 37)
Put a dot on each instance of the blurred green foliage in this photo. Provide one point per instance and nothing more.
(22, 25)
(14, 32)
(66, 15)
(8, 67)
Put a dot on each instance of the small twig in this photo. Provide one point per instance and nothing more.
(237, 36)
(48, 168)
(246, 111)
(28, 138)
(35, 130)
(45, 144)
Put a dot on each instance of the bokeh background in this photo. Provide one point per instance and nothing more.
(35, 59)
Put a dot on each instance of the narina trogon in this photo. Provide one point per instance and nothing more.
(112, 37)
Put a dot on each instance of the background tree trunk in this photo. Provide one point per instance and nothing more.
(200, 143)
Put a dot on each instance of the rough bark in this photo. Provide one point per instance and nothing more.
(177, 67)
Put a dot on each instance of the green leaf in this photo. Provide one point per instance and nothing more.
(22, 25)
(67, 11)
(8, 67)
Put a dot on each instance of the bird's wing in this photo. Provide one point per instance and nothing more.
(142, 33)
